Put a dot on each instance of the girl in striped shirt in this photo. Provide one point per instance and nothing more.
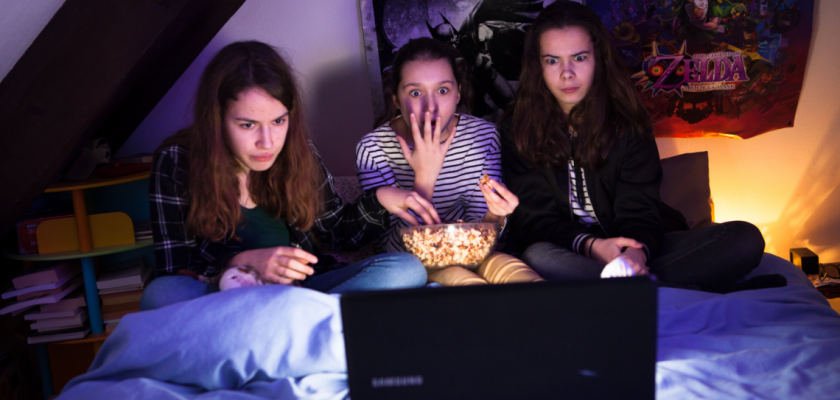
(424, 146)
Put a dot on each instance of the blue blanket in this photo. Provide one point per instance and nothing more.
(284, 342)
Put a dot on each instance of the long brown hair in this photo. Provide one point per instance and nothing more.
(290, 188)
(423, 49)
(611, 108)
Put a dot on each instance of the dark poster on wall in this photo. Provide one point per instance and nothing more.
(713, 67)
(488, 33)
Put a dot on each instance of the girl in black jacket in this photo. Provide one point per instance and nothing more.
(578, 151)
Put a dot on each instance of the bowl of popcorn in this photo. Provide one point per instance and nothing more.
(445, 245)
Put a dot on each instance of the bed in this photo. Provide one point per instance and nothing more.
(286, 343)
(283, 342)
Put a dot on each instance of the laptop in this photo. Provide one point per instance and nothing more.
(572, 340)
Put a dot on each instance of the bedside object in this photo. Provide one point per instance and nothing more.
(828, 280)
(805, 259)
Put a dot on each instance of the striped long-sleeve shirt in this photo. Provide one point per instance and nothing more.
(474, 151)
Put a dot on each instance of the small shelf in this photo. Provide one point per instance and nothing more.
(91, 338)
(86, 253)
(96, 182)
(65, 255)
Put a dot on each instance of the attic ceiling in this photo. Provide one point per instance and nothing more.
(96, 70)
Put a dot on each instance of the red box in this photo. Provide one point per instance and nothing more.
(27, 242)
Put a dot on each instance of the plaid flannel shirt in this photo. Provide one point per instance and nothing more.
(341, 226)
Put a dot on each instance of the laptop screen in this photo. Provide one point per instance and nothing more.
(582, 339)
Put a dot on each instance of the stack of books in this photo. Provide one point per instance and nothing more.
(65, 319)
(57, 289)
(121, 289)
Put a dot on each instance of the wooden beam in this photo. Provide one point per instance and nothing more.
(98, 67)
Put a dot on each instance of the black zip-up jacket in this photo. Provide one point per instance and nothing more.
(624, 194)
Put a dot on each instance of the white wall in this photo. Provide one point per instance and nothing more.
(786, 181)
(20, 23)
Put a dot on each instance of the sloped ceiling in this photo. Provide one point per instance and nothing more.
(96, 70)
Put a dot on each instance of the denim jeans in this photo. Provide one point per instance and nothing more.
(384, 271)
(705, 258)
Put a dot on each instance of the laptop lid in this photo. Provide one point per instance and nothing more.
(584, 339)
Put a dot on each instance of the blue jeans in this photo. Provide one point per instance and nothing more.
(706, 258)
(383, 271)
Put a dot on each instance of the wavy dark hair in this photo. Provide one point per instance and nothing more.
(290, 188)
(610, 109)
(423, 49)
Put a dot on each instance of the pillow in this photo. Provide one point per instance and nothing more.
(685, 187)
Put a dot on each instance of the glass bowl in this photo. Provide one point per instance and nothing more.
(445, 245)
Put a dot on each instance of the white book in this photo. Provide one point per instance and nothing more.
(34, 316)
(56, 322)
(45, 273)
(45, 299)
(47, 286)
(72, 301)
(130, 273)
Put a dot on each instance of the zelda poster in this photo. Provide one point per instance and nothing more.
(713, 67)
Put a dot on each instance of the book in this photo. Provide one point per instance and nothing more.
(22, 310)
(40, 288)
(44, 292)
(58, 328)
(45, 299)
(117, 311)
(58, 336)
(60, 322)
(121, 289)
(27, 240)
(130, 273)
(37, 294)
(73, 300)
(121, 297)
(45, 273)
(34, 316)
